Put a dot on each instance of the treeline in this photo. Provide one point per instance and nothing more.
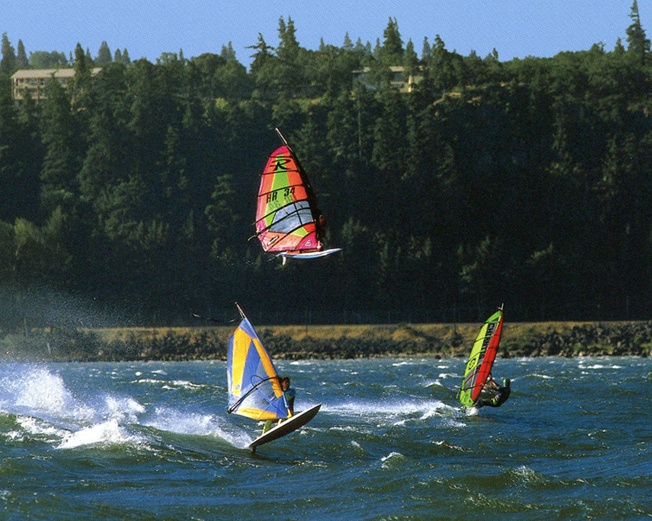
(129, 197)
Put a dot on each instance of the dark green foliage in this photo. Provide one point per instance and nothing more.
(8, 61)
(104, 54)
(526, 182)
(47, 60)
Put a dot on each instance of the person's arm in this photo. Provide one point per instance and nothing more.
(491, 384)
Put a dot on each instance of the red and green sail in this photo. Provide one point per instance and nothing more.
(286, 214)
(481, 359)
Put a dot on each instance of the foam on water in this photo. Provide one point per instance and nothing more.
(392, 413)
(109, 432)
(33, 428)
(392, 451)
(434, 383)
(198, 424)
(599, 366)
(40, 392)
(391, 460)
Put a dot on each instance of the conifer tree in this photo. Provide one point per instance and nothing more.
(14, 183)
(391, 51)
(348, 44)
(104, 54)
(122, 57)
(228, 52)
(639, 44)
(425, 52)
(21, 56)
(8, 62)
(62, 152)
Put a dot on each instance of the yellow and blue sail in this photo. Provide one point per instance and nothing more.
(254, 386)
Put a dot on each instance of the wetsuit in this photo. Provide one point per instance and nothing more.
(499, 398)
(289, 399)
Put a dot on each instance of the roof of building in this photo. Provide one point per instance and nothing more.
(47, 73)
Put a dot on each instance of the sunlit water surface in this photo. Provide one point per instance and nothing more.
(154, 441)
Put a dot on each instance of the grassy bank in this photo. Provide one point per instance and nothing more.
(325, 342)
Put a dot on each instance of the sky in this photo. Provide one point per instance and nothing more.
(149, 28)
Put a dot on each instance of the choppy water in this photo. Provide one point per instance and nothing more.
(154, 441)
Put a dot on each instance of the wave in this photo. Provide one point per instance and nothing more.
(110, 432)
(398, 411)
(39, 392)
(44, 408)
(197, 424)
(600, 366)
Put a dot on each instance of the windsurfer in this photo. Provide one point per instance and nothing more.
(289, 394)
(321, 223)
(499, 393)
(491, 384)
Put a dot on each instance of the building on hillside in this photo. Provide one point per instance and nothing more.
(399, 80)
(35, 80)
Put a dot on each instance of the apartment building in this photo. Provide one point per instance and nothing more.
(35, 80)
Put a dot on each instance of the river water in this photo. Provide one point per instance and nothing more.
(153, 441)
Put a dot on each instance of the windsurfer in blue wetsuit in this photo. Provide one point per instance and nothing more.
(498, 393)
(289, 394)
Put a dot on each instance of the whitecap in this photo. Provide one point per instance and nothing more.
(392, 455)
(171, 420)
(39, 391)
(123, 409)
(106, 433)
(395, 413)
(433, 383)
(600, 366)
(34, 426)
(184, 384)
(148, 381)
(392, 459)
(436, 409)
(302, 363)
(197, 424)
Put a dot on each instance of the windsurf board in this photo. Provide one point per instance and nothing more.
(286, 427)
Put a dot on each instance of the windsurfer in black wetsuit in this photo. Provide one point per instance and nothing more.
(499, 393)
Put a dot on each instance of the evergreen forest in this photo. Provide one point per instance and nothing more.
(128, 197)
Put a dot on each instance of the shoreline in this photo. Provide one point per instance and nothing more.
(301, 342)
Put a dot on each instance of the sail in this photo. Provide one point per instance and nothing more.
(286, 213)
(481, 359)
(254, 386)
